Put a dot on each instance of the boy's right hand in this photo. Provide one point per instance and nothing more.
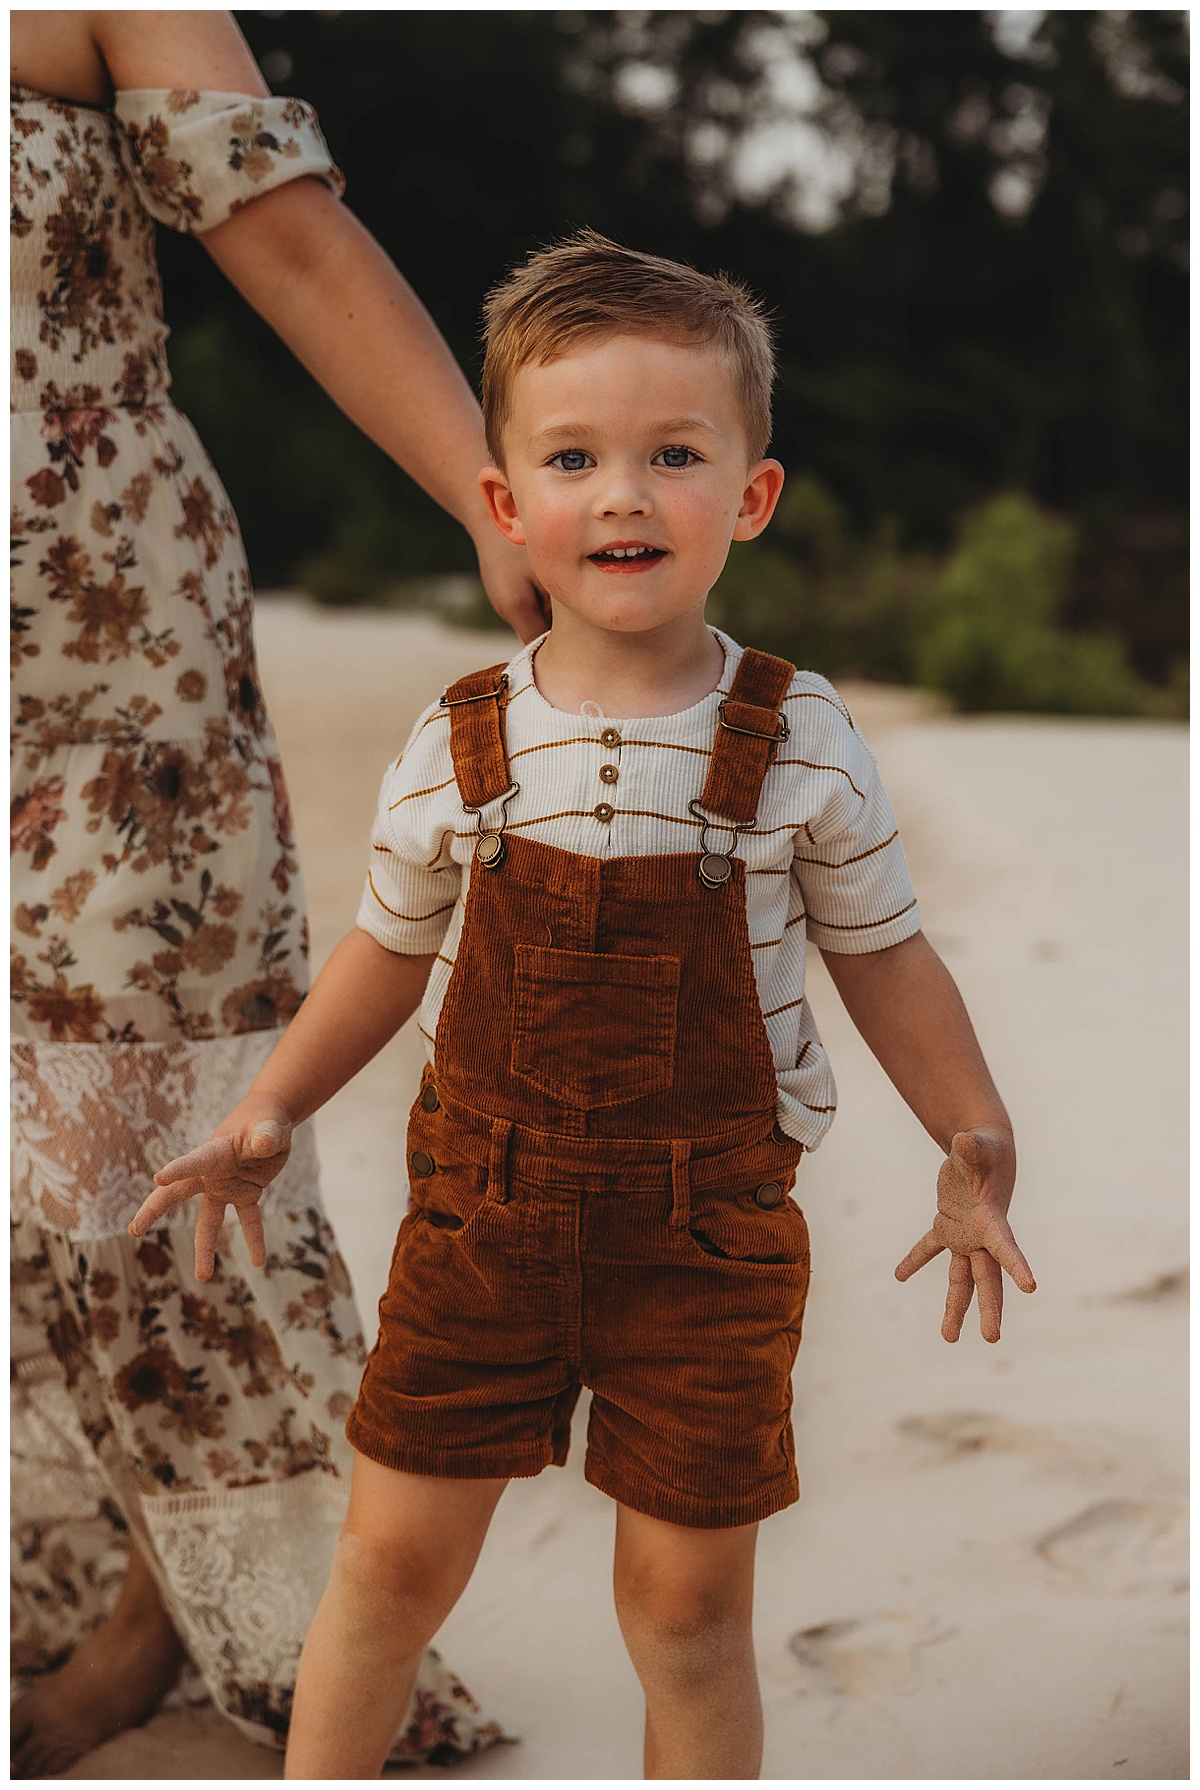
(244, 1153)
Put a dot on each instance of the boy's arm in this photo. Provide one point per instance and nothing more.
(359, 1001)
(906, 1006)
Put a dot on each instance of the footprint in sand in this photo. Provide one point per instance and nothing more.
(1169, 1288)
(957, 1433)
(859, 1657)
(1077, 1451)
(1122, 1545)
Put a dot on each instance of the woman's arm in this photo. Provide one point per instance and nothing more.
(323, 283)
(319, 278)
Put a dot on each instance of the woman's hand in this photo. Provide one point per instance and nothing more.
(511, 587)
(975, 1185)
(244, 1154)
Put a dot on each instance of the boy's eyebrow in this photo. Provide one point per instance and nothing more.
(579, 431)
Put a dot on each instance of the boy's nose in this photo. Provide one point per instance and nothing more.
(622, 495)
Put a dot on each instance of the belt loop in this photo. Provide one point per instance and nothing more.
(497, 1181)
(681, 1185)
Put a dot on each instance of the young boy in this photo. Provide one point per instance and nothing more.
(603, 920)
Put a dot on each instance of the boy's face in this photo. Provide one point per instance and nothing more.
(627, 477)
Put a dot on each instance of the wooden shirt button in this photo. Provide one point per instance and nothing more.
(768, 1195)
(422, 1163)
(602, 811)
(608, 773)
(610, 737)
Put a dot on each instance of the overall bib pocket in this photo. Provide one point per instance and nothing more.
(593, 1030)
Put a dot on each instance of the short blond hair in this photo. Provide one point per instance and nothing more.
(587, 286)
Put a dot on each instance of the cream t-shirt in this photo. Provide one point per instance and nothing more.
(824, 863)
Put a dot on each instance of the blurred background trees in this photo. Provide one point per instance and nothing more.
(971, 228)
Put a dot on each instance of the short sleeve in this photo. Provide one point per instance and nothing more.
(849, 862)
(412, 881)
(196, 158)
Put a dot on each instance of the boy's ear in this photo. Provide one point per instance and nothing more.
(502, 508)
(758, 499)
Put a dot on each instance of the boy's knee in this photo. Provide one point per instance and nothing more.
(692, 1627)
(400, 1583)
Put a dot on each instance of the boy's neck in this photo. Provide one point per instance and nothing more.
(658, 672)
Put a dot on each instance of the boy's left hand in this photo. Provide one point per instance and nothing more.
(975, 1185)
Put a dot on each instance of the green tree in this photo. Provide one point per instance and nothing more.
(984, 290)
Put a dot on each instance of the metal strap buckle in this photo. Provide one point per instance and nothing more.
(784, 733)
(454, 702)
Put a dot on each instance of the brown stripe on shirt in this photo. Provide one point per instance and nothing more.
(670, 746)
(576, 739)
(808, 764)
(414, 919)
(819, 696)
(786, 1008)
(863, 925)
(829, 864)
(416, 793)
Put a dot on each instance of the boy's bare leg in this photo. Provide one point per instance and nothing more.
(407, 1549)
(685, 1600)
(114, 1680)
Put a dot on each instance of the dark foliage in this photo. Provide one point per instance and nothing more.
(996, 301)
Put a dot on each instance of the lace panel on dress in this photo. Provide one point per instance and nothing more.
(92, 1123)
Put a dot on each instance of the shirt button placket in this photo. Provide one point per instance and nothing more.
(611, 739)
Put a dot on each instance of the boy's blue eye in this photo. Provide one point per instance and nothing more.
(571, 460)
(676, 457)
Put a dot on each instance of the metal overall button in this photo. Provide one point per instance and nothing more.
(768, 1195)
(422, 1163)
(715, 867)
(779, 1135)
(490, 847)
(714, 870)
(429, 1098)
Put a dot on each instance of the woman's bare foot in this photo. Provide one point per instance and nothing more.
(115, 1680)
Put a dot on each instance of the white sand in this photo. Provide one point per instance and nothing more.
(985, 1577)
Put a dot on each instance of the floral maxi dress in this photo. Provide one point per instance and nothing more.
(159, 945)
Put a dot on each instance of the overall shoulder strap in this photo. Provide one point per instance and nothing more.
(749, 732)
(477, 743)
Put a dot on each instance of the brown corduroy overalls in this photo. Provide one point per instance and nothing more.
(599, 1181)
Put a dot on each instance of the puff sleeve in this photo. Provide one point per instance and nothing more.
(196, 158)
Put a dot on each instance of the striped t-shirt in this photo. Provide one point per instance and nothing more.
(824, 863)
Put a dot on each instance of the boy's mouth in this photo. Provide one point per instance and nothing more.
(635, 557)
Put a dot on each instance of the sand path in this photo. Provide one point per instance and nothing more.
(985, 1576)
